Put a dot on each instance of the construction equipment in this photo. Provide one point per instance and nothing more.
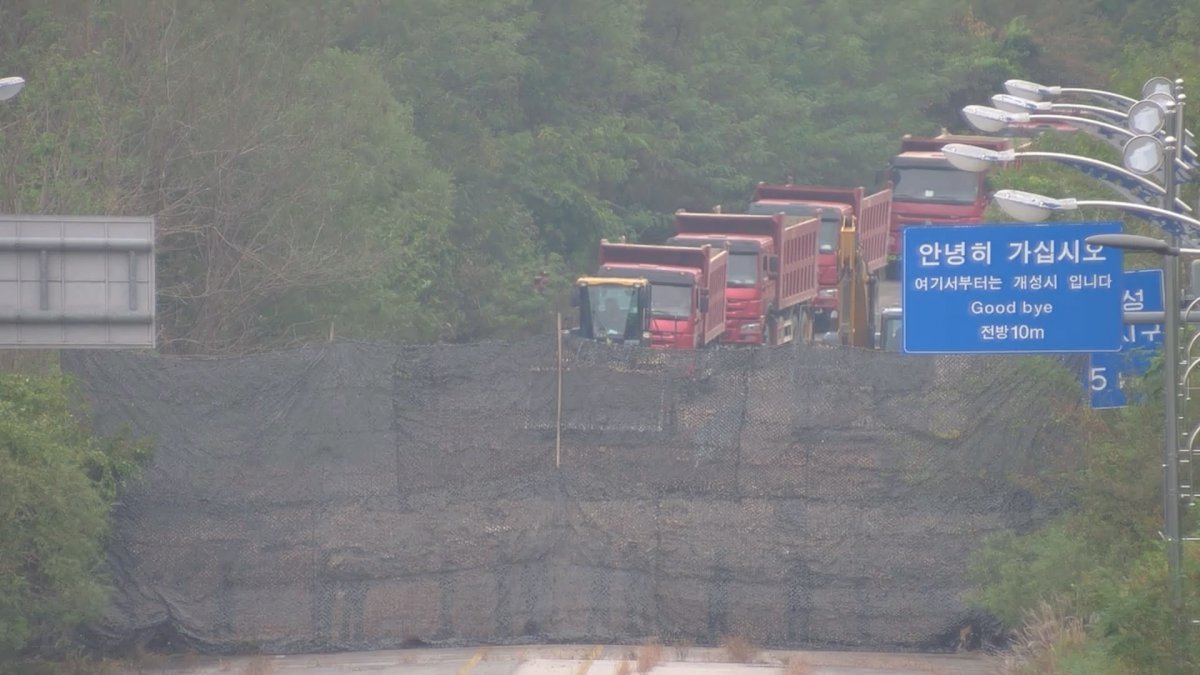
(836, 206)
(613, 310)
(929, 190)
(772, 274)
(686, 290)
(858, 289)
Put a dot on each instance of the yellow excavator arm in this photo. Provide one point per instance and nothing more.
(856, 290)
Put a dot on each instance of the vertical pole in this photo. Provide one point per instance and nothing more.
(558, 411)
(1170, 185)
(1175, 555)
(1171, 439)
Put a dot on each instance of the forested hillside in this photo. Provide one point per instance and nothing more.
(400, 170)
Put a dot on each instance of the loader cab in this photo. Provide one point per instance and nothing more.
(613, 310)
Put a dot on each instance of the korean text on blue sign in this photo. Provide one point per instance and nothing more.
(1011, 288)
(1108, 371)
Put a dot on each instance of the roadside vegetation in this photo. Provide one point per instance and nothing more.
(58, 484)
(1087, 593)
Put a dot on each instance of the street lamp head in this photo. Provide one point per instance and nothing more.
(1158, 85)
(973, 158)
(1132, 242)
(991, 120)
(1143, 154)
(9, 86)
(1016, 104)
(1147, 117)
(1031, 91)
(1164, 99)
(1029, 207)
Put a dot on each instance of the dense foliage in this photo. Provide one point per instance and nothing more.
(57, 485)
(400, 170)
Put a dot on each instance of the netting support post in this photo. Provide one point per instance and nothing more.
(558, 404)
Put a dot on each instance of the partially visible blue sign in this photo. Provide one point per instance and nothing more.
(1107, 372)
(1011, 288)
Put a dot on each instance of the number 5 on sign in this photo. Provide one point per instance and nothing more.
(1106, 383)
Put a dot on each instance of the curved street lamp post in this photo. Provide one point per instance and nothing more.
(1131, 185)
(1154, 87)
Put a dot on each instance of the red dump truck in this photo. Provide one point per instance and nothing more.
(928, 190)
(686, 294)
(772, 274)
(838, 208)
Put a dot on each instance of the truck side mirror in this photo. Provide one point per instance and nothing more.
(773, 267)
(703, 301)
(578, 296)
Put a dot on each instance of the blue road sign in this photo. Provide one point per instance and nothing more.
(1108, 371)
(1011, 288)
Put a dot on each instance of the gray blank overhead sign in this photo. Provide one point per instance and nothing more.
(76, 281)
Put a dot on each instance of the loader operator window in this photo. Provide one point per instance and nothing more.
(612, 308)
(827, 238)
(668, 301)
(919, 184)
(743, 270)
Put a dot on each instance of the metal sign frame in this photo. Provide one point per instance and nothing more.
(77, 282)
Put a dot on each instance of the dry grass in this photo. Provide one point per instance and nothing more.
(1047, 632)
(798, 665)
(259, 665)
(623, 668)
(683, 647)
(739, 648)
(649, 655)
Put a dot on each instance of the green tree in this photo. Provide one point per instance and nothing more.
(58, 483)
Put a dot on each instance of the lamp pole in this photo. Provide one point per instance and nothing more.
(992, 120)
(1038, 92)
(1034, 208)
(1131, 186)
(1010, 103)
(1033, 91)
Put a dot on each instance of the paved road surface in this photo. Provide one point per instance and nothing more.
(577, 660)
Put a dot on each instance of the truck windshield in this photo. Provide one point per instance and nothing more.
(669, 301)
(827, 239)
(613, 307)
(922, 184)
(743, 269)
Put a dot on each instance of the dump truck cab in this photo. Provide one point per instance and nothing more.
(832, 216)
(927, 189)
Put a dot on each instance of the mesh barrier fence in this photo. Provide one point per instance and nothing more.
(367, 496)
